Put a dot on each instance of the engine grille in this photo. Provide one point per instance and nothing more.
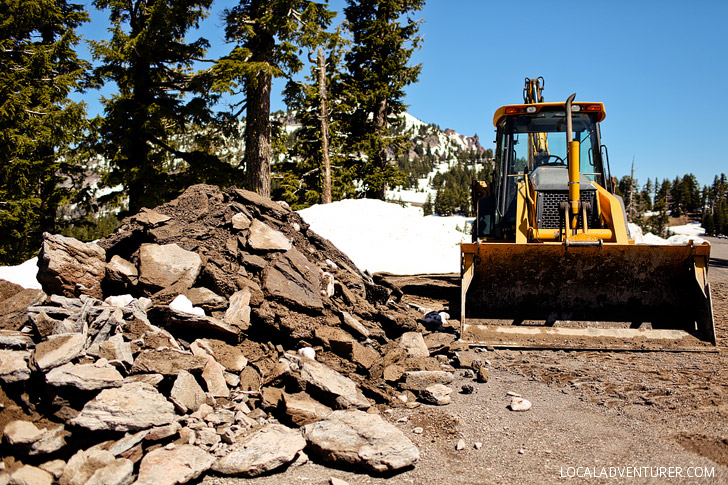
(549, 215)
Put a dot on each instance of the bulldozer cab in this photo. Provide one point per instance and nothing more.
(526, 142)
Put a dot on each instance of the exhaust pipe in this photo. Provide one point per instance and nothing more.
(572, 155)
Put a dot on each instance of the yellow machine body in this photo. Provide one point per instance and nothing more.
(552, 263)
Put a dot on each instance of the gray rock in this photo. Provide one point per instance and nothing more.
(69, 267)
(303, 409)
(119, 270)
(86, 377)
(14, 309)
(293, 279)
(264, 450)
(355, 325)
(206, 299)
(50, 442)
(238, 312)
(520, 404)
(199, 323)
(186, 393)
(214, 376)
(421, 379)
(150, 218)
(54, 467)
(118, 472)
(230, 357)
(264, 238)
(414, 343)
(179, 464)
(361, 439)
(342, 389)
(161, 266)
(438, 394)
(58, 350)
(116, 349)
(134, 406)
(30, 475)
(129, 441)
(96, 466)
(167, 362)
(12, 339)
(14, 366)
(240, 221)
(21, 432)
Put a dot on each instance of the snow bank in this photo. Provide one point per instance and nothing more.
(380, 236)
(682, 235)
(23, 274)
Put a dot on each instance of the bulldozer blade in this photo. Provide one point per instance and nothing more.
(616, 296)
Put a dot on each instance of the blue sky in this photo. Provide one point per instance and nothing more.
(660, 68)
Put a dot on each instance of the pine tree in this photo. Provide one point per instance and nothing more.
(427, 206)
(152, 128)
(303, 173)
(39, 68)
(384, 36)
(267, 35)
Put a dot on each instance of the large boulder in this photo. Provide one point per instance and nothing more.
(343, 391)
(172, 465)
(161, 266)
(294, 280)
(132, 407)
(357, 438)
(70, 267)
(266, 449)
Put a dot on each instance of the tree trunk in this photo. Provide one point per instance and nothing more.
(380, 159)
(326, 192)
(258, 134)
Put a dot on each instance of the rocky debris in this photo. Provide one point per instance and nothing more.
(85, 377)
(264, 450)
(30, 475)
(58, 350)
(14, 366)
(69, 267)
(437, 394)
(289, 337)
(358, 438)
(132, 407)
(173, 464)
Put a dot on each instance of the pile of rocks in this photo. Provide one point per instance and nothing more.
(285, 349)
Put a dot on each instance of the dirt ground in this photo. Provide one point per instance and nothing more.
(635, 417)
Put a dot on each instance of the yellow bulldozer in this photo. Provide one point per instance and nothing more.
(552, 263)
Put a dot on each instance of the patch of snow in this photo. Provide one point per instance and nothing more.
(380, 236)
(119, 300)
(23, 274)
(183, 304)
(692, 229)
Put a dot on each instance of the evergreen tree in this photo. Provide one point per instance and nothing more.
(152, 131)
(384, 36)
(303, 171)
(39, 68)
(427, 206)
(267, 35)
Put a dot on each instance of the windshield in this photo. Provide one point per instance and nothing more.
(534, 140)
(540, 139)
